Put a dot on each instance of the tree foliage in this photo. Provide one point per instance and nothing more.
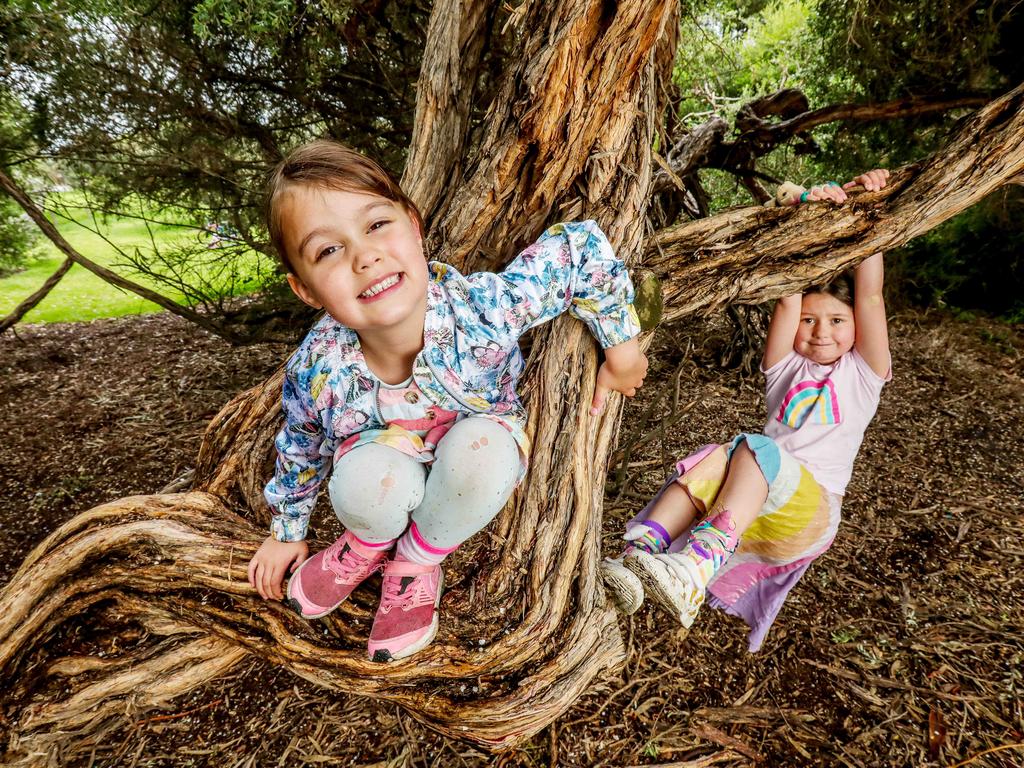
(175, 110)
(975, 261)
(884, 49)
(17, 235)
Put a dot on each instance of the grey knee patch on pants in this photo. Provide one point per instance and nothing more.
(373, 490)
(475, 472)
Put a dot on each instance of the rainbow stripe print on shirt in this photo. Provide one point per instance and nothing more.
(814, 400)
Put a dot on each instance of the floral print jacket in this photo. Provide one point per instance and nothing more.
(470, 361)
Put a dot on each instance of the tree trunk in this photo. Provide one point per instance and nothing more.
(568, 136)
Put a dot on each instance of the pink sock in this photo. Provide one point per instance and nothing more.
(378, 545)
(414, 548)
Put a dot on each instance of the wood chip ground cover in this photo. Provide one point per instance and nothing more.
(904, 644)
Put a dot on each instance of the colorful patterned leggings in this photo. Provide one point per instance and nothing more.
(377, 491)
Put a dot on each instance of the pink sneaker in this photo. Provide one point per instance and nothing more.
(406, 620)
(325, 580)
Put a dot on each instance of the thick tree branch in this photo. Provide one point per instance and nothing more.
(551, 149)
(752, 255)
(691, 152)
(772, 134)
(706, 146)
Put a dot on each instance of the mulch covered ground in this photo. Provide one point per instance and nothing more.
(904, 645)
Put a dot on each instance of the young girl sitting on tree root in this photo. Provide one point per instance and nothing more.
(743, 521)
(405, 392)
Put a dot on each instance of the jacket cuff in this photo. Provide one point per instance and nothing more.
(288, 528)
(615, 327)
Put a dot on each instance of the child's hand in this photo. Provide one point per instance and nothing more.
(270, 563)
(623, 370)
(872, 181)
(828, 191)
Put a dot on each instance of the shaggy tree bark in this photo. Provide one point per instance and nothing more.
(526, 627)
(457, 34)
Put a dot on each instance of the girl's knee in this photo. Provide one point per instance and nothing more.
(376, 491)
(757, 452)
(477, 440)
(479, 461)
(743, 453)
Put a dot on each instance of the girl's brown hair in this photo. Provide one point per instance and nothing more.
(329, 165)
(840, 287)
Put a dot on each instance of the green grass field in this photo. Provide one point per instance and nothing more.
(81, 295)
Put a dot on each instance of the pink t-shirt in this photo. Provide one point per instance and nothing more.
(414, 424)
(818, 413)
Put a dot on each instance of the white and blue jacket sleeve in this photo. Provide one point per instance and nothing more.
(303, 452)
(572, 268)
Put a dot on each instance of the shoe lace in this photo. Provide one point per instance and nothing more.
(405, 592)
(348, 566)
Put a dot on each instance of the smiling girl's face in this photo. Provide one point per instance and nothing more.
(357, 255)
(826, 331)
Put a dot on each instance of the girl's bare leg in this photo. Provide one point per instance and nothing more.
(678, 582)
(743, 493)
(674, 511)
(670, 515)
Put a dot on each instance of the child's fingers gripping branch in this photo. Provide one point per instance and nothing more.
(828, 191)
(271, 562)
(872, 181)
(831, 191)
(623, 370)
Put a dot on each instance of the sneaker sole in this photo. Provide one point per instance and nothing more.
(625, 588)
(383, 655)
(662, 588)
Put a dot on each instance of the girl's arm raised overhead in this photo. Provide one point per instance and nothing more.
(869, 314)
(782, 330)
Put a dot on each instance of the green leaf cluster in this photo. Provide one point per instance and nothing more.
(18, 236)
(186, 104)
(731, 52)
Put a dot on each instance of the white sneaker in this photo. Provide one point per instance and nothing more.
(623, 585)
(673, 581)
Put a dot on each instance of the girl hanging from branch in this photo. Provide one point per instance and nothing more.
(741, 522)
